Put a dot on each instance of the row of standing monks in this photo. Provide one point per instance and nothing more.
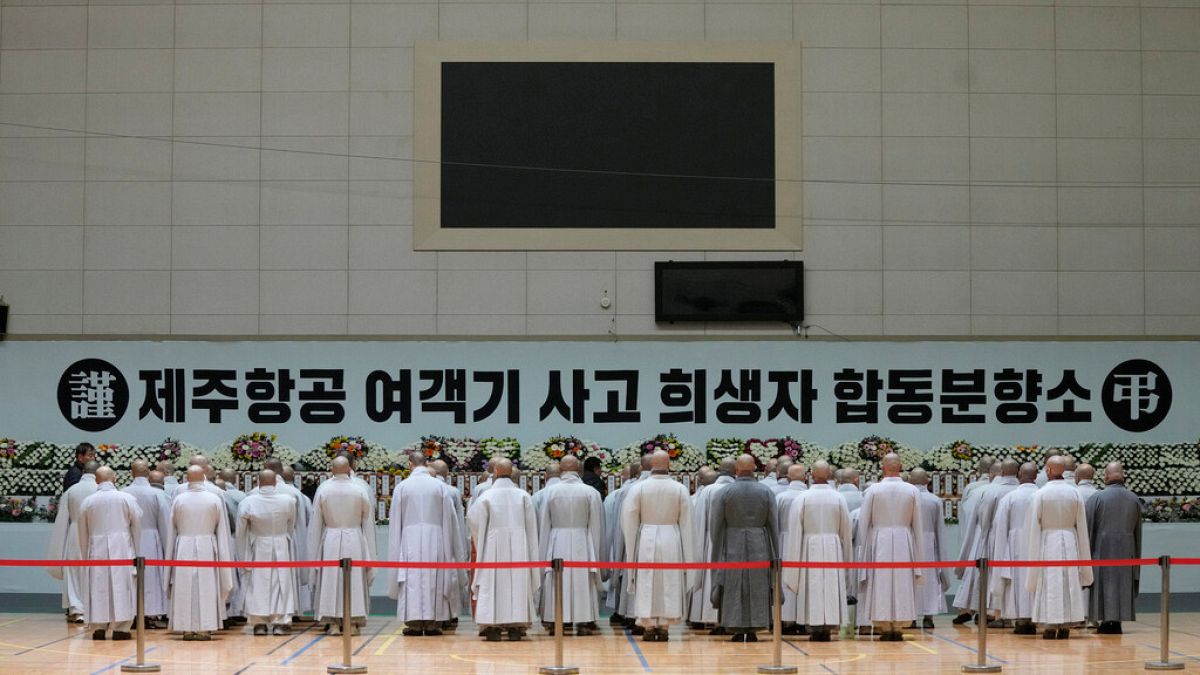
(733, 517)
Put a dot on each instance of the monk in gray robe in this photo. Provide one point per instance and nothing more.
(1114, 517)
(743, 527)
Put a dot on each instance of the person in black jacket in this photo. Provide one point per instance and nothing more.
(591, 476)
(84, 453)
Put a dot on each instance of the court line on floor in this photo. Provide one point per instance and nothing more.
(373, 636)
(390, 639)
(964, 646)
(248, 667)
(44, 644)
(11, 621)
(637, 650)
(1172, 651)
(285, 642)
(911, 641)
(114, 665)
(301, 650)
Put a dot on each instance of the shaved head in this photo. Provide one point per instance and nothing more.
(198, 460)
(821, 471)
(1085, 472)
(918, 476)
(440, 467)
(659, 461)
(1055, 466)
(340, 466)
(105, 475)
(1009, 467)
(554, 470)
(195, 474)
(728, 466)
(502, 467)
(647, 461)
(289, 474)
(91, 466)
(994, 471)
(891, 465)
(708, 475)
(418, 459)
(274, 464)
(140, 468)
(985, 465)
(770, 465)
(850, 476)
(795, 473)
(229, 476)
(569, 464)
(1070, 462)
(266, 478)
(1028, 473)
(784, 465)
(745, 465)
(166, 467)
(1114, 473)
(156, 478)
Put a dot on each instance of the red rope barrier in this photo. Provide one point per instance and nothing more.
(66, 563)
(920, 564)
(1130, 562)
(1185, 561)
(586, 564)
(244, 563)
(520, 564)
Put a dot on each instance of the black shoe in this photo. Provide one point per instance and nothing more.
(997, 623)
(237, 620)
(432, 633)
(638, 630)
(412, 632)
(616, 619)
(1049, 634)
(961, 619)
(820, 636)
(1109, 628)
(491, 634)
(515, 634)
(751, 637)
(913, 625)
(649, 636)
(261, 629)
(1024, 628)
(803, 629)
(583, 631)
(663, 635)
(121, 635)
(791, 629)
(98, 634)
(927, 624)
(719, 630)
(1063, 634)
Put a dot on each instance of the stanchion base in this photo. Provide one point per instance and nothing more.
(976, 668)
(559, 670)
(1164, 665)
(144, 668)
(346, 670)
(778, 670)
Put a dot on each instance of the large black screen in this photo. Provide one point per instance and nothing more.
(729, 291)
(608, 145)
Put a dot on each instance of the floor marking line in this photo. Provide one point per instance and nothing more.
(373, 636)
(911, 641)
(966, 647)
(281, 645)
(1172, 651)
(637, 650)
(388, 642)
(44, 644)
(302, 649)
(114, 665)
(248, 667)
(793, 646)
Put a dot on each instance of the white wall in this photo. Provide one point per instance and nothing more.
(975, 168)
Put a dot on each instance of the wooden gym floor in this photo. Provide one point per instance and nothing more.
(44, 643)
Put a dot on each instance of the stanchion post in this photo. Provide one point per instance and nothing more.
(347, 666)
(1164, 661)
(140, 666)
(776, 665)
(556, 568)
(981, 665)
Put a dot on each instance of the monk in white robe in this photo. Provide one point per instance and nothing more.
(343, 526)
(170, 482)
(304, 515)
(819, 530)
(64, 541)
(266, 521)
(1085, 482)
(1011, 543)
(616, 542)
(979, 537)
(156, 517)
(625, 599)
(571, 527)
(702, 612)
(504, 528)
(890, 530)
(1057, 530)
(109, 528)
(931, 595)
(849, 490)
(785, 500)
(781, 470)
(423, 527)
(656, 523)
(986, 470)
(199, 531)
(461, 596)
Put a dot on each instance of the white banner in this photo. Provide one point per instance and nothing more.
(920, 393)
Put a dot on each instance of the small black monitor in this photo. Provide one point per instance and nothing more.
(729, 291)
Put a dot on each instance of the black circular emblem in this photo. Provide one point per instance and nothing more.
(92, 395)
(1137, 395)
